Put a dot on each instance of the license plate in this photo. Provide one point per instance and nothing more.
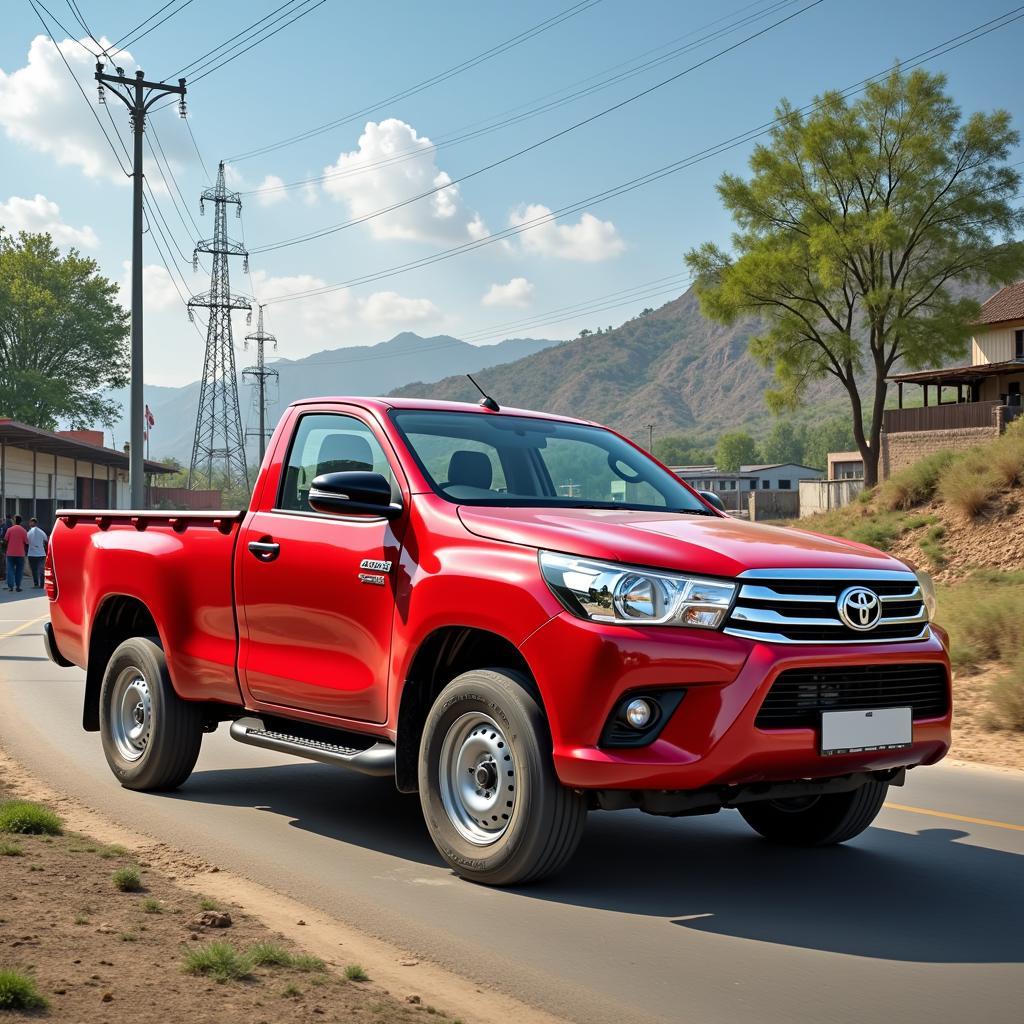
(854, 732)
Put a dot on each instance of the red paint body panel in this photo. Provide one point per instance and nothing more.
(301, 636)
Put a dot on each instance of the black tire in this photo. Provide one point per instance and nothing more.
(820, 821)
(544, 824)
(165, 750)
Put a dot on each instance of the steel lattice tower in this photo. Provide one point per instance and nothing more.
(260, 375)
(219, 440)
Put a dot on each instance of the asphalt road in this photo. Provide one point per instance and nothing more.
(919, 920)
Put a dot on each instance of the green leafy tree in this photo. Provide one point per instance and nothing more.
(785, 443)
(835, 435)
(62, 335)
(735, 449)
(680, 450)
(859, 220)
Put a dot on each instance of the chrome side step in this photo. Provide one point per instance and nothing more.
(378, 759)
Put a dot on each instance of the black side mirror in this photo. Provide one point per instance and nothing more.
(355, 491)
(713, 499)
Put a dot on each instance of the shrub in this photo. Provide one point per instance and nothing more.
(311, 964)
(355, 973)
(150, 906)
(968, 485)
(268, 954)
(983, 616)
(916, 484)
(291, 991)
(207, 904)
(218, 960)
(127, 879)
(10, 850)
(1007, 696)
(1006, 458)
(27, 818)
(112, 851)
(18, 992)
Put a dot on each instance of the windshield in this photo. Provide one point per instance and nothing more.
(479, 459)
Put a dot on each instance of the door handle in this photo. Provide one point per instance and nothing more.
(264, 550)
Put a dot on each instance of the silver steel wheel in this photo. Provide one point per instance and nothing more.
(477, 778)
(131, 714)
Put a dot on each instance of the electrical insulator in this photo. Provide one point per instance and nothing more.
(238, 212)
(191, 318)
(102, 96)
(182, 109)
(245, 265)
(248, 317)
(202, 208)
(195, 260)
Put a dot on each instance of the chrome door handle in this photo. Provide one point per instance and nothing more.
(264, 550)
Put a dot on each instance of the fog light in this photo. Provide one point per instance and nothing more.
(639, 713)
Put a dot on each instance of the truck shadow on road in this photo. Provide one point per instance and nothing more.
(925, 896)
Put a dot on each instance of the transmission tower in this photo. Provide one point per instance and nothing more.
(260, 375)
(219, 440)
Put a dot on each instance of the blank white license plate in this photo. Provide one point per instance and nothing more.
(851, 732)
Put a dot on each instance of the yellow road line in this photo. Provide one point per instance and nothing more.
(956, 817)
(24, 626)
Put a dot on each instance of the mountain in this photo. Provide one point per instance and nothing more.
(671, 368)
(360, 370)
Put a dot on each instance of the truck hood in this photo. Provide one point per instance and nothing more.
(669, 540)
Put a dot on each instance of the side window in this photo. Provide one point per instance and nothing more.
(329, 443)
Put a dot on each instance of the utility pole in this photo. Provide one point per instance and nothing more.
(650, 438)
(138, 96)
(219, 436)
(260, 374)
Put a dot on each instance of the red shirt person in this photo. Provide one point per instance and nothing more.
(17, 547)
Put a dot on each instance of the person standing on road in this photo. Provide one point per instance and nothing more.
(37, 541)
(17, 548)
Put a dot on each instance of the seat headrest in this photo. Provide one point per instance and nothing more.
(343, 453)
(470, 469)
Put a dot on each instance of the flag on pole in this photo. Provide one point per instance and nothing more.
(148, 423)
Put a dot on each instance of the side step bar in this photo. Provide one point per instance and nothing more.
(378, 759)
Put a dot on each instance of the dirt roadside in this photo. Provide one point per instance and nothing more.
(97, 954)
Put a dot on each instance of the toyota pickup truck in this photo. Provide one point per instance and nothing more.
(518, 616)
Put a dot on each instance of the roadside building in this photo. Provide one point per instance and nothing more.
(961, 406)
(779, 476)
(845, 466)
(731, 487)
(42, 471)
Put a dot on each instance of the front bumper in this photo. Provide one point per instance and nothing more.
(583, 668)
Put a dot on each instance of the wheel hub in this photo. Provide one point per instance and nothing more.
(477, 778)
(131, 714)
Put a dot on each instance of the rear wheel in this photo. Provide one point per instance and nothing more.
(817, 820)
(151, 737)
(491, 800)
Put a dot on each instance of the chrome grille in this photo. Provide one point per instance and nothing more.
(801, 606)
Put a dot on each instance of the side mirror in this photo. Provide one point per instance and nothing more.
(711, 498)
(352, 492)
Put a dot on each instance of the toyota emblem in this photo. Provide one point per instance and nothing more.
(859, 608)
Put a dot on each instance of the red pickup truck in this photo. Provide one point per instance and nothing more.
(521, 617)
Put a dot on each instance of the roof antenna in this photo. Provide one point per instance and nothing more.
(487, 402)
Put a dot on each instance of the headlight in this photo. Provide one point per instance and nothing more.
(605, 592)
(927, 586)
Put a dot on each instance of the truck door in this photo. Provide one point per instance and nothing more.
(316, 592)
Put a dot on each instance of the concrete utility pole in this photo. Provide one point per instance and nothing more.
(138, 96)
(260, 374)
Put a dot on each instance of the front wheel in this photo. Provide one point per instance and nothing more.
(151, 737)
(817, 820)
(491, 800)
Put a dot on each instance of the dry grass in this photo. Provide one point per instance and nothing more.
(916, 484)
(968, 486)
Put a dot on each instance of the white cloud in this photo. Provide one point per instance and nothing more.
(42, 214)
(589, 240)
(392, 308)
(517, 292)
(158, 291)
(366, 181)
(269, 191)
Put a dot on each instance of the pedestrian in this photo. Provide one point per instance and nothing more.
(4, 527)
(37, 541)
(17, 548)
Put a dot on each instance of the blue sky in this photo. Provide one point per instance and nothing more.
(56, 171)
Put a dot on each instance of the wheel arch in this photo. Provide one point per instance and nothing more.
(441, 656)
(118, 618)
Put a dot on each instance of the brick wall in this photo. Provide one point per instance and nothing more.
(905, 448)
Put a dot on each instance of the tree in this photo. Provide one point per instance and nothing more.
(734, 450)
(62, 335)
(835, 435)
(785, 443)
(857, 225)
(679, 450)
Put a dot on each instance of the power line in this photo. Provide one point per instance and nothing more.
(953, 43)
(202, 162)
(322, 232)
(121, 44)
(519, 115)
(494, 51)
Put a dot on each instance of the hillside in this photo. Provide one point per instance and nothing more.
(672, 368)
(359, 370)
